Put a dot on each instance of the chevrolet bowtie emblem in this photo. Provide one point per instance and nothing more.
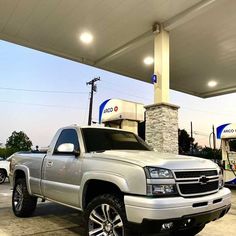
(203, 179)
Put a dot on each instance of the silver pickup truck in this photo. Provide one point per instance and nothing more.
(120, 184)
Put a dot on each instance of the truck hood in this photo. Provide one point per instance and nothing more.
(151, 158)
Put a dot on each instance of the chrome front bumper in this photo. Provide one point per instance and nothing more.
(140, 208)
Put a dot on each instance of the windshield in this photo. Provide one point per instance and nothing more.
(104, 139)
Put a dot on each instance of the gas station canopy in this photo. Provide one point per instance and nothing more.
(202, 37)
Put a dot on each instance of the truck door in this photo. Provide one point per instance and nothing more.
(61, 175)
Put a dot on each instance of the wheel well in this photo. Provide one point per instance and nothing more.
(94, 188)
(19, 174)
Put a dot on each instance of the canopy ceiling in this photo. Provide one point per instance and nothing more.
(202, 36)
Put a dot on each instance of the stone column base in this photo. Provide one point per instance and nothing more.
(162, 127)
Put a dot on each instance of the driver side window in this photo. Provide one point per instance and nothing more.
(67, 136)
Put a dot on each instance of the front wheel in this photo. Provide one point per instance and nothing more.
(105, 216)
(2, 176)
(23, 204)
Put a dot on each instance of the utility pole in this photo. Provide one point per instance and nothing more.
(191, 144)
(214, 137)
(214, 141)
(93, 89)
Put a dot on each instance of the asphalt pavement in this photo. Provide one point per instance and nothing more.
(51, 219)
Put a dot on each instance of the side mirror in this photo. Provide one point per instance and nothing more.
(68, 148)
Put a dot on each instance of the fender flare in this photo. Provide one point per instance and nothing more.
(27, 176)
(117, 180)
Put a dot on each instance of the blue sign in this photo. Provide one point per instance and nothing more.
(220, 129)
(101, 108)
(154, 79)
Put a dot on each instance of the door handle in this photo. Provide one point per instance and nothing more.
(49, 164)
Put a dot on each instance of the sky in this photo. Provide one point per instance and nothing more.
(39, 93)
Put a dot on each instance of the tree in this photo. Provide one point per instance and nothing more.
(184, 141)
(18, 141)
(204, 152)
(4, 152)
(209, 153)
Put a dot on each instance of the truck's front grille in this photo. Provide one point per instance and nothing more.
(198, 188)
(194, 183)
(195, 174)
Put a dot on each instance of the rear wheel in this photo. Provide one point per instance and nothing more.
(23, 204)
(105, 216)
(3, 176)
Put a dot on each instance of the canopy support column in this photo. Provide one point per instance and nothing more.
(161, 66)
(162, 117)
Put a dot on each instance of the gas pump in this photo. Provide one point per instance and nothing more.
(227, 134)
(121, 114)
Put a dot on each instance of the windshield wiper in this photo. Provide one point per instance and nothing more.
(102, 150)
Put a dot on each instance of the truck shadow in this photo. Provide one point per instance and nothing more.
(67, 218)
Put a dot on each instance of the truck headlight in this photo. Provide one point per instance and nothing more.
(221, 183)
(161, 189)
(220, 172)
(158, 173)
(221, 179)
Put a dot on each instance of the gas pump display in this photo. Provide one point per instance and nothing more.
(231, 164)
(227, 134)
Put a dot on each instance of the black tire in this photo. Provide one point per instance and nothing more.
(189, 232)
(23, 204)
(106, 213)
(3, 176)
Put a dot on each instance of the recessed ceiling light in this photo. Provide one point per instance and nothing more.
(212, 83)
(86, 37)
(148, 60)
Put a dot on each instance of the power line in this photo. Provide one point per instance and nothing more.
(209, 112)
(41, 91)
(111, 81)
(42, 105)
(197, 132)
(106, 88)
(120, 91)
(200, 134)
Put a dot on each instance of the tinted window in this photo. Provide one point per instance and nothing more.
(232, 145)
(68, 136)
(105, 139)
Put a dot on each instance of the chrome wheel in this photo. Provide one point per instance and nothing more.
(104, 220)
(23, 204)
(2, 177)
(18, 197)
